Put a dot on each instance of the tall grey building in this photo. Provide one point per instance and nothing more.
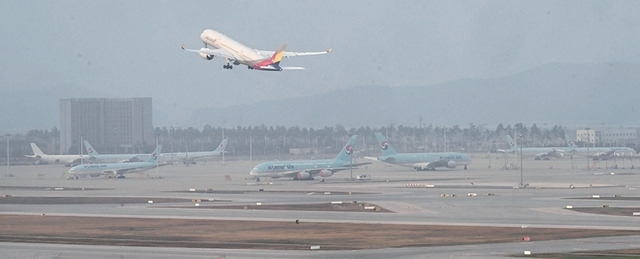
(109, 124)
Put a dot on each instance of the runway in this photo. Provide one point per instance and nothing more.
(483, 195)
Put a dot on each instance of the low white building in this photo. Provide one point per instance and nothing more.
(608, 137)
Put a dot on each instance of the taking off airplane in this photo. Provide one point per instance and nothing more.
(236, 53)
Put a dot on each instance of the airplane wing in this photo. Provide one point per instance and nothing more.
(133, 169)
(358, 165)
(289, 54)
(213, 52)
(309, 172)
(547, 155)
(434, 164)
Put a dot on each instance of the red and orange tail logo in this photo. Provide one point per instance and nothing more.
(277, 56)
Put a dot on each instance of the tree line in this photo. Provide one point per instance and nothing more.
(278, 140)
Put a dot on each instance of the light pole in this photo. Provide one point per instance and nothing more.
(115, 141)
(7, 136)
(444, 139)
(351, 163)
(224, 122)
(521, 174)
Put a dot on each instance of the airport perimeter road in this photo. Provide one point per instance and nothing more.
(483, 195)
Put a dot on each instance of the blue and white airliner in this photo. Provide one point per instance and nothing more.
(420, 161)
(115, 170)
(308, 169)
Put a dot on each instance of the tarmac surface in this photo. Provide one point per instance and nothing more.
(561, 193)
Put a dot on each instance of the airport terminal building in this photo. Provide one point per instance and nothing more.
(113, 124)
(608, 137)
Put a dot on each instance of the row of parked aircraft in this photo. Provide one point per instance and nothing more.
(545, 153)
(116, 165)
(93, 156)
(308, 169)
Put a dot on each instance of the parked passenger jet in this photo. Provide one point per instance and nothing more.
(67, 160)
(236, 53)
(539, 153)
(307, 169)
(95, 157)
(186, 157)
(420, 161)
(598, 152)
(115, 170)
(190, 157)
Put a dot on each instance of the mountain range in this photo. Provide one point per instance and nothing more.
(578, 95)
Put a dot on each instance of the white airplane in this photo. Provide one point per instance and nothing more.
(539, 153)
(95, 157)
(67, 160)
(115, 170)
(189, 157)
(599, 153)
(186, 157)
(420, 161)
(236, 53)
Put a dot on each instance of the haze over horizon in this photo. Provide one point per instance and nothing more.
(118, 49)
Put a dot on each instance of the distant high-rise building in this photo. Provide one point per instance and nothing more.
(109, 124)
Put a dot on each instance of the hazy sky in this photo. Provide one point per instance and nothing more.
(132, 48)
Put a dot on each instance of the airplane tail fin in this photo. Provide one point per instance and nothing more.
(155, 155)
(36, 150)
(512, 144)
(277, 56)
(90, 151)
(348, 149)
(387, 149)
(570, 144)
(272, 63)
(222, 146)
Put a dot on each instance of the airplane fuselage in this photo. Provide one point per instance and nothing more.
(275, 169)
(243, 54)
(60, 159)
(536, 150)
(409, 159)
(97, 169)
(117, 158)
(594, 150)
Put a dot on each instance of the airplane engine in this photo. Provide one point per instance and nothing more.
(205, 56)
(326, 173)
(451, 164)
(302, 176)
